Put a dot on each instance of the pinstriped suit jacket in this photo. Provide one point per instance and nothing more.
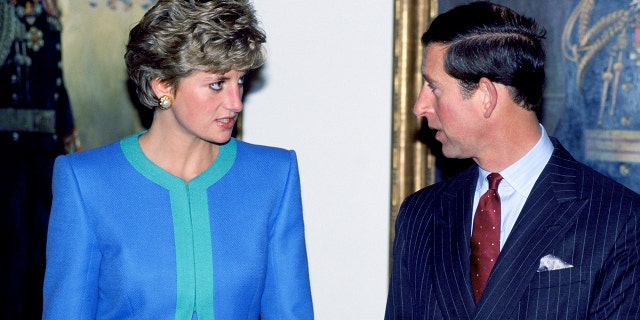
(573, 212)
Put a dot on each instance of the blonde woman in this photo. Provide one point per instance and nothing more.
(181, 221)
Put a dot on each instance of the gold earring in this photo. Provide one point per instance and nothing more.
(165, 102)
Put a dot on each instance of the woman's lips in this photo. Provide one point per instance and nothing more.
(226, 123)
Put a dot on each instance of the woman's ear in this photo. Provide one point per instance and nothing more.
(160, 88)
(489, 96)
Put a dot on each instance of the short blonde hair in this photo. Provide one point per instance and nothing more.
(178, 37)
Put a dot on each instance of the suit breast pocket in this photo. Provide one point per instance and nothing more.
(558, 278)
(556, 294)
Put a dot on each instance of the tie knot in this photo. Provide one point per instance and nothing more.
(494, 180)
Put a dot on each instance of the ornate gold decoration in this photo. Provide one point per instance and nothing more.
(165, 102)
(413, 166)
(591, 38)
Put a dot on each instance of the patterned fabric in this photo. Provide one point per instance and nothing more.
(34, 107)
(574, 218)
(485, 238)
(128, 240)
(36, 125)
(600, 124)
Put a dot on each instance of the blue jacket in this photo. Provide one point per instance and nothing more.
(129, 240)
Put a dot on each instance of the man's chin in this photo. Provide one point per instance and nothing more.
(451, 153)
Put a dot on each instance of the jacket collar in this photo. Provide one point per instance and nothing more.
(550, 209)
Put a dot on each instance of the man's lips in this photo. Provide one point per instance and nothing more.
(437, 133)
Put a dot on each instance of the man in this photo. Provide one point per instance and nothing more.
(566, 240)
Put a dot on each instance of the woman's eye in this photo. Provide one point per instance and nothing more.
(241, 80)
(216, 85)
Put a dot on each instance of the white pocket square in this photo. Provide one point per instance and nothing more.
(551, 262)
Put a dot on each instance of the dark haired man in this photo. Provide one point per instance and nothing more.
(551, 238)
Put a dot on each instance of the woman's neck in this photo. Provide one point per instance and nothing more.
(183, 156)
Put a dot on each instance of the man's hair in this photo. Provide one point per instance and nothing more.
(495, 42)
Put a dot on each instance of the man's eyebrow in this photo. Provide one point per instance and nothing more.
(426, 78)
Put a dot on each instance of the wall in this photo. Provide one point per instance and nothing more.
(327, 94)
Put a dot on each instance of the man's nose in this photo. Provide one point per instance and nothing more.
(424, 104)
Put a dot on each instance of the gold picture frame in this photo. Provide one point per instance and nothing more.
(413, 165)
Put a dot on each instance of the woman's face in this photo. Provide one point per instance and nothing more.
(206, 105)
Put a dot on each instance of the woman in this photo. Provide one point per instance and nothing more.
(181, 221)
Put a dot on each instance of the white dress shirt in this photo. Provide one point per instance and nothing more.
(517, 182)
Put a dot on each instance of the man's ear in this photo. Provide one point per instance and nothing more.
(489, 93)
(160, 88)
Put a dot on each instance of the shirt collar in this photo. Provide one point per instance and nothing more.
(522, 174)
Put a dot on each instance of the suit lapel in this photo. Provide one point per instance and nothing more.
(550, 210)
(451, 247)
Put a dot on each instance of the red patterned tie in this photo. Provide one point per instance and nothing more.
(485, 239)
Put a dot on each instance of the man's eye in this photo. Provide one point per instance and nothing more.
(216, 85)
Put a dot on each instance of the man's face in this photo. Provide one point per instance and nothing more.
(454, 116)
